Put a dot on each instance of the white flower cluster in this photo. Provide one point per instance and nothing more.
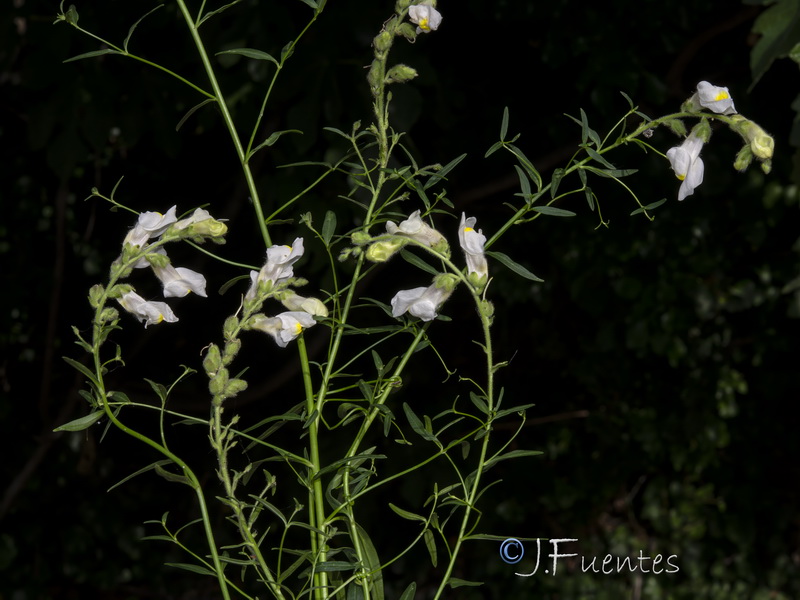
(278, 270)
(176, 281)
(423, 302)
(685, 159)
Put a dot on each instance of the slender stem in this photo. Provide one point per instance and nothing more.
(228, 119)
(316, 507)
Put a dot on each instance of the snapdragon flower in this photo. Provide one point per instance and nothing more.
(687, 164)
(149, 312)
(285, 327)
(180, 281)
(425, 17)
(149, 224)
(715, 98)
(422, 302)
(278, 266)
(472, 243)
(417, 229)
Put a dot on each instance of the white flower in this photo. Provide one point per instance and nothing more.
(179, 281)
(421, 302)
(278, 266)
(714, 98)
(149, 224)
(285, 327)
(472, 244)
(425, 17)
(687, 164)
(417, 229)
(149, 312)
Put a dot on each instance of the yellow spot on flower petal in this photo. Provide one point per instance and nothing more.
(298, 329)
(423, 24)
(723, 95)
(681, 177)
(468, 229)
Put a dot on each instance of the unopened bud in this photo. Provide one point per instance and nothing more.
(383, 251)
(400, 74)
(743, 159)
(382, 41)
(446, 281)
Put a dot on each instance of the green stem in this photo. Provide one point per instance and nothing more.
(316, 507)
(186, 471)
(228, 119)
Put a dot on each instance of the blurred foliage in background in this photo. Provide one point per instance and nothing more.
(662, 357)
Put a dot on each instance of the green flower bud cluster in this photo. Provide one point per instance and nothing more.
(758, 144)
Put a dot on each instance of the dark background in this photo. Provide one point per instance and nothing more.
(662, 357)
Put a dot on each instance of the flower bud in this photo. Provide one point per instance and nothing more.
(360, 238)
(382, 41)
(408, 31)
(213, 361)
(218, 382)
(400, 74)
(446, 281)
(702, 130)
(383, 251)
(743, 159)
(766, 166)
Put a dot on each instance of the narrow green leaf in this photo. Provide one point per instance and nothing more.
(139, 472)
(455, 582)
(615, 173)
(514, 409)
(584, 127)
(135, 25)
(328, 227)
(274, 138)
(288, 49)
(599, 158)
(630, 102)
(642, 209)
(589, 196)
(524, 184)
(193, 568)
(92, 54)
(156, 538)
(504, 125)
(191, 111)
(479, 402)
(558, 175)
(430, 544)
(442, 173)
(417, 262)
(405, 514)
(82, 368)
(174, 477)
(527, 165)
(371, 563)
(216, 12)
(552, 211)
(409, 592)
(376, 358)
(513, 266)
(509, 455)
(251, 53)
(416, 424)
(334, 565)
(494, 147)
(82, 423)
